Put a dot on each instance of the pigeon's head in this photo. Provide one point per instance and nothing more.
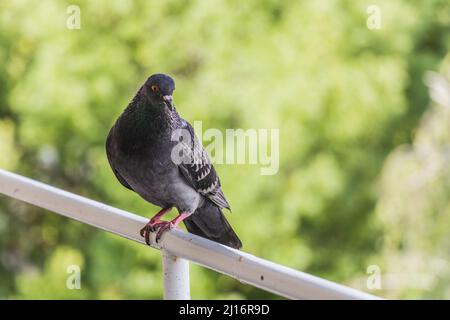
(159, 89)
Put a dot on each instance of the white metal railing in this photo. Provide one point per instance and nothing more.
(177, 246)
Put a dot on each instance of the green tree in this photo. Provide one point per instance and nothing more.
(342, 95)
(414, 204)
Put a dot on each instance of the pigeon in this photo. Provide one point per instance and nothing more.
(155, 153)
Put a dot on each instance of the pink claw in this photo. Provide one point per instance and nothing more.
(156, 223)
(164, 226)
(151, 225)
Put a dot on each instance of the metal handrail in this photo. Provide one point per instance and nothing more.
(177, 246)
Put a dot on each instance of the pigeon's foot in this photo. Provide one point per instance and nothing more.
(157, 218)
(165, 226)
(151, 225)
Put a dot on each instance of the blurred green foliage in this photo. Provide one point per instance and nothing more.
(343, 96)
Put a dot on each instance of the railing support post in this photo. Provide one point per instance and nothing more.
(176, 277)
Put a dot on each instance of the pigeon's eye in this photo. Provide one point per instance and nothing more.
(155, 88)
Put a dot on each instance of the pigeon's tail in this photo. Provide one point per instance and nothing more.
(209, 222)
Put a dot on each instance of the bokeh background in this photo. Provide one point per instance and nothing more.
(364, 173)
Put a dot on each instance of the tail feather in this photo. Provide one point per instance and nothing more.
(209, 222)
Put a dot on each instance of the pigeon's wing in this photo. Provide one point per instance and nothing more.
(198, 169)
(109, 154)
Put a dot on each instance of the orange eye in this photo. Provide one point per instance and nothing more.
(155, 88)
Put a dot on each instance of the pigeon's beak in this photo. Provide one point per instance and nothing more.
(168, 101)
